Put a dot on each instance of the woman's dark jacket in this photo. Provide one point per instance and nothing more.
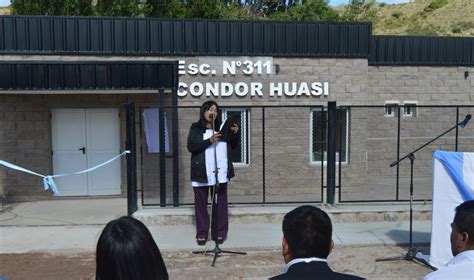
(197, 147)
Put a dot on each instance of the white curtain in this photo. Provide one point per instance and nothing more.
(151, 126)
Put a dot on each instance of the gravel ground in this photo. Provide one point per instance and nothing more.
(257, 264)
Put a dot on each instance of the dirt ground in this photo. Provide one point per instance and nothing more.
(258, 264)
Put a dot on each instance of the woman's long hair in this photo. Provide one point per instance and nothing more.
(205, 107)
(126, 251)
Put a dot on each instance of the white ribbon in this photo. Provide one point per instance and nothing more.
(48, 181)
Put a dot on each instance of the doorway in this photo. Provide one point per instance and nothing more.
(81, 139)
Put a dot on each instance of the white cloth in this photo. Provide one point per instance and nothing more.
(461, 267)
(151, 126)
(305, 260)
(221, 152)
(452, 185)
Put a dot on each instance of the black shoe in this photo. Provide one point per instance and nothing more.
(220, 240)
(201, 241)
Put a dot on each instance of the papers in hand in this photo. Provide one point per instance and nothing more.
(226, 126)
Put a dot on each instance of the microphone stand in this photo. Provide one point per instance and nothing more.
(412, 251)
(216, 251)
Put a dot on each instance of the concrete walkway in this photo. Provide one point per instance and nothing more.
(75, 225)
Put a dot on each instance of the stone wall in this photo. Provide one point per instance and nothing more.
(289, 175)
(25, 135)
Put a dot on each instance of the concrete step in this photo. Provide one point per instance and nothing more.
(342, 213)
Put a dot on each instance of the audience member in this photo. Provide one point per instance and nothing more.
(126, 250)
(462, 246)
(307, 242)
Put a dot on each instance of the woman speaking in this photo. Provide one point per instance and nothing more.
(210, 146)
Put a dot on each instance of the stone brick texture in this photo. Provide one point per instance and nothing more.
(290, 175)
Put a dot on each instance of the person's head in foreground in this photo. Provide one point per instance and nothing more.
(307, 242)
(126, 250)
(461, 266)
(462, 228)
(307, 233)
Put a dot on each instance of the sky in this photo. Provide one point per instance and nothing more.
(332, 2)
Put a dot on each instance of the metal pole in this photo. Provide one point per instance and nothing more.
(161, 132)
(323, 129)
(175, 135)
(331, 152)
(397, 183)
(263, 154)
(457, 130)
(131, 159)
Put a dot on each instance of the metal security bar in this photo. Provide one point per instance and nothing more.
(288, 154)
(278, 159)
(380, 135)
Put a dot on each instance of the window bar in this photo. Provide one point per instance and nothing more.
(339, 124)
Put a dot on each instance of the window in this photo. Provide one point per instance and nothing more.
(391, 108)
(409, 108)
(319, 135)
(241, 153)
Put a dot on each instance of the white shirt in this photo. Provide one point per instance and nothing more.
(221, 152)
(461, 267)
(305, 260)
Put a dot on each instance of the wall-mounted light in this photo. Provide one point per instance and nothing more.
(277, 68)
(466, 74)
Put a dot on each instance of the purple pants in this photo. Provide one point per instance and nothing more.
(201, 195)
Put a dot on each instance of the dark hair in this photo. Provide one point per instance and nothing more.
(464, 218)
(205, 107)
(308, 232)
(126, 250)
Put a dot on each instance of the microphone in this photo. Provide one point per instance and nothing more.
(213, 119)
(465, 121)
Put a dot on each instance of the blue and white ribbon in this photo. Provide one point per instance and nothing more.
(48, 181)
(454, 163)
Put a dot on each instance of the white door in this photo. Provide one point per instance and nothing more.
(83, 138)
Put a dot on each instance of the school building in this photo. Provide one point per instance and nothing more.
(64, 83)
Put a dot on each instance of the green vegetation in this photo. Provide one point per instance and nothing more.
(360, 10)
(53, 7)
(421, 17)
(310, 10)
(436, 4)
(127, 8)
(397, 14)
(426, 17)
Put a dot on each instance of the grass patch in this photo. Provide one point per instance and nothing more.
(436, 4)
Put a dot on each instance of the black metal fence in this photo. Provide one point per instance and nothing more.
(380, 135)
(283, 156)
(263, 174)
(157, 37)
(152, 36)
(421, 50)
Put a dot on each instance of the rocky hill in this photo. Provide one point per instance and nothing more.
(426, 17)
(4, 11)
